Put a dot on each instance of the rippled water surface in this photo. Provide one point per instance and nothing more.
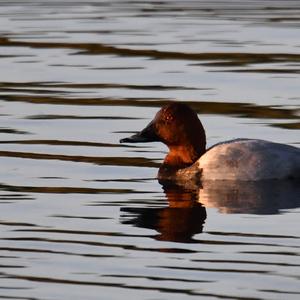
(82, 216)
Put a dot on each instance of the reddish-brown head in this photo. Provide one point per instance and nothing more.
(179, 127)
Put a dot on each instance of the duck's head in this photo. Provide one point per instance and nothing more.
(177, 126)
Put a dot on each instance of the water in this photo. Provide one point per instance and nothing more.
(83, 217)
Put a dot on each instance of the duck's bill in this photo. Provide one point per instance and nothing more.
(136, 138)
(146, 135)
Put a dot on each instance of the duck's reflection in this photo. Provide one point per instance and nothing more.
(178, 222)
(185, 215)
(260, 197)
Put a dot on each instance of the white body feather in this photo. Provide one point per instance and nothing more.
(250, 160)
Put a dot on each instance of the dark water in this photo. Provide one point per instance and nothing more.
(83, 217)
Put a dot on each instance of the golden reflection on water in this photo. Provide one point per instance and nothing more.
(230, 59)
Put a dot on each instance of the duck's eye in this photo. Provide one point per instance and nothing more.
(168, 117)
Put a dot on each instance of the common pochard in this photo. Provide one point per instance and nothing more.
(179, 127)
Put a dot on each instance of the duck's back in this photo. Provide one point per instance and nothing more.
(247, 159)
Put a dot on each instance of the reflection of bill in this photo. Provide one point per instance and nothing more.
(179, 222)
(185, 215)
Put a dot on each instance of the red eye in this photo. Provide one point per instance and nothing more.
(168, 117)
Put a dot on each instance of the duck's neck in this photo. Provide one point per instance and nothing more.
(180, 157)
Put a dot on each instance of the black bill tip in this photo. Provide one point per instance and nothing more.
(126, 140)
(136, 138)
(148, 134)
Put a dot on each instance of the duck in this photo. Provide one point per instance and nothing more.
(177, 126)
